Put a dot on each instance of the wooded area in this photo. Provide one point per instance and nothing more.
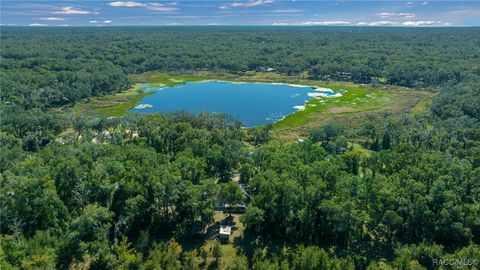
(132, 192)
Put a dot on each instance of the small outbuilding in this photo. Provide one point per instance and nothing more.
(235, 209)
(224, 233)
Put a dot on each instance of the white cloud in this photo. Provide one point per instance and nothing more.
(251, 3)
(280, 24)
(425, 3)
(420, 23)
(38, 24)
(151, 6)
(72, 11)
(100, 22)
(162, 7)
(323, 23)
(65, 25)
(126, 4)
(376, 23)
(383, 23)
(327, 23)
(409, 3)
(385, 15)
(405, 23)
(52, 19)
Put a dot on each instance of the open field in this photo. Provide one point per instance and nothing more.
(229, 250)
(349, 109)
(117, 104)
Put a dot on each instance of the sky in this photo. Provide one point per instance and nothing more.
(432, 13)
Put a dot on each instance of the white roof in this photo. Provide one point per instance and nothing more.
(226, 230)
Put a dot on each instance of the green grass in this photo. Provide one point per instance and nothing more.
(159, 79)
(118, 104)
(229, 251)
(356, 99)
(112, 105)
(421, 107)
(358, 149)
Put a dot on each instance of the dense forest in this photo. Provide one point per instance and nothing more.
(132, 192)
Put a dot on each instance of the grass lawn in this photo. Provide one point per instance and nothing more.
(207, 240)
(229, 250)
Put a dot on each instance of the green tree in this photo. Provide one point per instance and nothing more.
(128, 258)
(310, 258)
(231, 194)
(217, 252)
(240, 262)
(30, 204)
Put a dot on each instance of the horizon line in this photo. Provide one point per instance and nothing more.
(240, 25)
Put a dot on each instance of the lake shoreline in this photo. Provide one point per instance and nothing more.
(316, 112)
(256, 104)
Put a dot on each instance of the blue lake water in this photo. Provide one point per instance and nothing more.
(252, 103)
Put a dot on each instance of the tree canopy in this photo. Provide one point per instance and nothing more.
(386, 192)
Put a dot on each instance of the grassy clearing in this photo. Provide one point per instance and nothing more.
(421, 107)
(160, 79)
(118, 104)
(229, 250)
(112, 105)
(357, 98)
(358, 149)
(380, 102)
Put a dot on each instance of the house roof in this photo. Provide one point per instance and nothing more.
(226, 230)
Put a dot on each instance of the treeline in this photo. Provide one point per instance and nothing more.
(53, 67)
(403, 56)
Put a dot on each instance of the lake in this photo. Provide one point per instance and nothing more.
(254, 104)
